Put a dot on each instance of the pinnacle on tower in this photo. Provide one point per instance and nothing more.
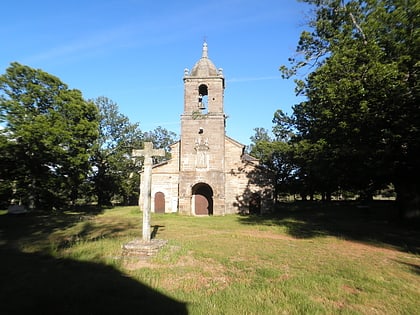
(205, 51)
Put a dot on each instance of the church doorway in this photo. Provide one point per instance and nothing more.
(202, 199)
(159, 202)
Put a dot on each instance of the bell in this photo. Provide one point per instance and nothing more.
(201, 106)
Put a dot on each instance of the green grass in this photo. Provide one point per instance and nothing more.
(313, 259)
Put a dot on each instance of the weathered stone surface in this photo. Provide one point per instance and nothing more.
(143, 249)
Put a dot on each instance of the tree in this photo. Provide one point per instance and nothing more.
(48, 133)
(363, 94)
(113, 169)
(261, 134)
(162, 139)
(275, 156)
(6, 170)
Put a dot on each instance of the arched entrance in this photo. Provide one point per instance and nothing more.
(159, 202)
(203, 199)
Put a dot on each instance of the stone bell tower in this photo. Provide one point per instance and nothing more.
(209, 173)
(202, 146)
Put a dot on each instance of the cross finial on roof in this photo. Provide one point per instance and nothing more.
(205, 53)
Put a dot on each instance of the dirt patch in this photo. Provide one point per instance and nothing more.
(357, 249)
(350, 289)
(266, 234)
(188, 273)
(199, 274)
(133, 263)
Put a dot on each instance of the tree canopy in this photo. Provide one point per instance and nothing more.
(358, 127)
(162, 139)
(113, 169)
(47, 135)
(59, 149)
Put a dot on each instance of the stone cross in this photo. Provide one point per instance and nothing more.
(148, 152)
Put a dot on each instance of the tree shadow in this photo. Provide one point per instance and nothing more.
(413, 267)
(37, 228)
(41, 284)
(15, 228)
(374, 223)
(38, 283)
(257, 196)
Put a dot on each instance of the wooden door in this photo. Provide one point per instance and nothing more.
(159, 202)
(201, 205)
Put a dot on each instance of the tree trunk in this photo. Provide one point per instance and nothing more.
(328, 196)
(408, 199)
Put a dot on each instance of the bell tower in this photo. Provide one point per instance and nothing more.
(202, 147)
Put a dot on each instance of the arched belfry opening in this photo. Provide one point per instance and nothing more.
(202, 199)
(203, 98)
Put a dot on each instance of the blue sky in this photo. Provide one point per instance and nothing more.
(135, 51)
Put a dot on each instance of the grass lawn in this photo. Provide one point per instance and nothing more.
(305, 259)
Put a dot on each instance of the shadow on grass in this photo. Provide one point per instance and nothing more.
(41, 284)
(43, 230)
(375, 223)
(38, 283)
(413, 267)
(155, 230)
(34, 226)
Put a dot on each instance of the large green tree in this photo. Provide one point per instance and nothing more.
(363, 93)
(46, 137)
(113, 169)
(275, 154)
(115, 173)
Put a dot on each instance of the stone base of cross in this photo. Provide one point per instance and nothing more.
(146, 183)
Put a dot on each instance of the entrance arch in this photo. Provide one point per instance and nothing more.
(203, 199)
(159, 202)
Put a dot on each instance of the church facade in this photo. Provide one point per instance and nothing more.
(209, 173)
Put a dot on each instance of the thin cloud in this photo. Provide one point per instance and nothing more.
(81, 46)
(146, 32)
(152, 31)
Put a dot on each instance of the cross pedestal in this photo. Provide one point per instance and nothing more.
(146, 188)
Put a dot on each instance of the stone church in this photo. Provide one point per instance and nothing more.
(209, 173)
